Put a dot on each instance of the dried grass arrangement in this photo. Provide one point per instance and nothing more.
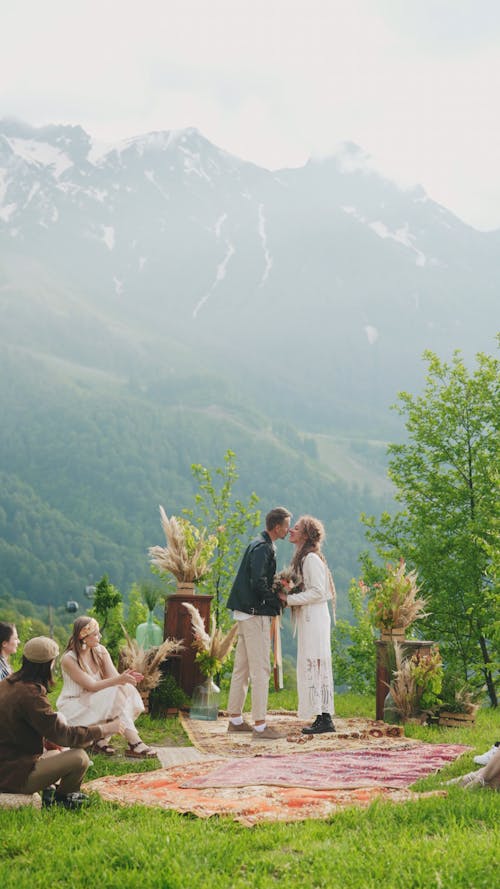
(188, 551)
(133, 657)
(403, 687)
(213, 648)
(395, 602)
(416, 682)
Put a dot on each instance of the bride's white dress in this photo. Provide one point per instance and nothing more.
(311, 616)
(81, 707)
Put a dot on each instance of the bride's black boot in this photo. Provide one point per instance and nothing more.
(328, 725)
(314, 728)
(322, 723)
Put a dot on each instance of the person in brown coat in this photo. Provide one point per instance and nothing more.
(27, 718)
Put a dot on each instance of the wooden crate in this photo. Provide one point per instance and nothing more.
(457, 720)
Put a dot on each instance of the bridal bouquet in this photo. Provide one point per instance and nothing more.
(286, 582)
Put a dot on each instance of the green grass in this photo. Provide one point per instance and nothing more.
(436, 843)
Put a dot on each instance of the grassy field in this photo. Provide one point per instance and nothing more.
(436, 843)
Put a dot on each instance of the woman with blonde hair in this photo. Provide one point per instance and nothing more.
(94, 691)
(311, 617)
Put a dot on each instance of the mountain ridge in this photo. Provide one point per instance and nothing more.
(171, 301)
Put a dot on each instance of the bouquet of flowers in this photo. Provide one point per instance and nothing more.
(286, 581)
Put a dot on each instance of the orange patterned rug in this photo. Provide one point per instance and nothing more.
(249, 805)
(188, 787)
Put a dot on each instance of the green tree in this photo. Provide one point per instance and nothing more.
(353, 646)
(229, 519)
(446, 477)
(137, 612)
(108, 610)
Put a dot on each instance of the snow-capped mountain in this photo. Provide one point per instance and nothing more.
(324, 283)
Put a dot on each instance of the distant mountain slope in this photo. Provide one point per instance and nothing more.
(316, 289)
(86, 459)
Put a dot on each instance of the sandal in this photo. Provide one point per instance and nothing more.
(106, 749)
(147, 753)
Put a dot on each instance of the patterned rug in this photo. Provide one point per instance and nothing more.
(249, 805)
(294, 778)
(214, 739)
(337, 770)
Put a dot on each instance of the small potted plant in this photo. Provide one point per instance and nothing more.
(394, 603)
(187, 554)
(458, 703)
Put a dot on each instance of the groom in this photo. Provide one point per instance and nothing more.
(254, 603)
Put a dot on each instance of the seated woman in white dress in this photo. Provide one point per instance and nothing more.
(93, 691)
(311, 617)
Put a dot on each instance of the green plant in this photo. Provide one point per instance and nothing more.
(150, 594)
(353, 646)
(227, 518)
(107, 608)
(427, 672)
(137, 612)
(166, 695)
(416, 682)
(394, 601)
(456, 696)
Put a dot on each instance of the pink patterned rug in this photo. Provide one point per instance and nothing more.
(332, 770)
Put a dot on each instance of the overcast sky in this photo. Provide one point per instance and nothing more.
(416, 83)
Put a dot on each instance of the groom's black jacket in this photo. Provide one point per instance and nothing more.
(252, 590)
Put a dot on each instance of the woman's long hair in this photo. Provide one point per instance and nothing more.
(314, 533)
(78, 645)
(40, 674)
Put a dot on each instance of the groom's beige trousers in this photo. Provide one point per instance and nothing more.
(251, 665)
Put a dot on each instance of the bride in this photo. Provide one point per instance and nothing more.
(93, 691)
(311, 617)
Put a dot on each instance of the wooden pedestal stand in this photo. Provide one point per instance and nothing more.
(410, 647)
(177, 625)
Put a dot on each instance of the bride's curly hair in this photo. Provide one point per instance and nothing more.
(314, 532)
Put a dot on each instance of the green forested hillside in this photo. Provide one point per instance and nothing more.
(86, 458)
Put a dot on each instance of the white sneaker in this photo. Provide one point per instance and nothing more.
(484, 759)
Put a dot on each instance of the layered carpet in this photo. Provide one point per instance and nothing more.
(284, 786)
(248, 805)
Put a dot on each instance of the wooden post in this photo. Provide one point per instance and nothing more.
(177, 625)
